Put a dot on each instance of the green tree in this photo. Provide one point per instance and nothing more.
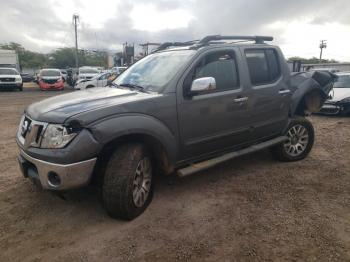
(65, 57)
(27, 59)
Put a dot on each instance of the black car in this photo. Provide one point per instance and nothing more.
(27, 77)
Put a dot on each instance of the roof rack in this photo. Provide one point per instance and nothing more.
(257, 39)
(168, 44)
(214, 39)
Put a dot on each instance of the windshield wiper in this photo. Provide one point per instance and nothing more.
(133, 86)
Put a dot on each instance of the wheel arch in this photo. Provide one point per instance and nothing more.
(307, 101)
(138, 128)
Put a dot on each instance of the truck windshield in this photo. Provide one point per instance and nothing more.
(50, 73)
(8, 71)
(154, 71)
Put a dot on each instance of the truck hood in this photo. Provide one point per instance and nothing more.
(9, 76)
(338, 94)
(58, 109)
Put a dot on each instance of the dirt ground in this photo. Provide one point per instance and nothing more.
(249, 209)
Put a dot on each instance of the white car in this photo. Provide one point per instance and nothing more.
(87, 73)
(100, 80)
(339, 97)
(64, 74)
(10, 79)
(118, 70)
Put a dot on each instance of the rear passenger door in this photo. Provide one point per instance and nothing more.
(269, 96)
(216, 120)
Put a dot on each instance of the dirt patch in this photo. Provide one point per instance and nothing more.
(249, 209)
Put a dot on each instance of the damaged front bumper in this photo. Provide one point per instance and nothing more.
(56, 176)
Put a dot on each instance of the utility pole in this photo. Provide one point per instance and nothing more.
(323, 44)
(75, 23)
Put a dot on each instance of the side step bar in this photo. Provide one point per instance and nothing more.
(196, 167)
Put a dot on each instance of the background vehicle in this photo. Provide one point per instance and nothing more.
(87, 73)
(339, 98)
(118, 70)
(64, 74)
(331, 70)
(9, 59)
(97, 81)
(178, 109)
(27, 77)
(10, 79)
(50, 79)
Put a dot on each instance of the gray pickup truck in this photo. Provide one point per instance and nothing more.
(184, 108)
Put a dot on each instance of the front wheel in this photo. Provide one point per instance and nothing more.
(127, 187)
(300, 139)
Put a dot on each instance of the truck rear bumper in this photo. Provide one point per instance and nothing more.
(56, 176)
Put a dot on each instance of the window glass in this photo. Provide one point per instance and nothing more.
(221, 66)
(154, 71)
(272, 61)
(257, 64)
(104, 76)
(48, 72)
(343, 81)
(263, 66)
(8, 71)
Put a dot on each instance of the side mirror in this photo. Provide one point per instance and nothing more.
(202, 85)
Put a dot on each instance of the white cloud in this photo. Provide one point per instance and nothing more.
(302, 38)
(149, 18)
(296, 25)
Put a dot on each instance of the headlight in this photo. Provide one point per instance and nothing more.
(345, 100)
(18, 79)
(56, 136)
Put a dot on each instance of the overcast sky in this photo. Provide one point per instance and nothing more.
(297, 26)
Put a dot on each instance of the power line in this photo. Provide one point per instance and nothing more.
(323, 44)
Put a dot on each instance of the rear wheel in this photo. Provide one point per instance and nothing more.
(300, 134)
(127, 187)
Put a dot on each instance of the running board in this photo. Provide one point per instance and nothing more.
(196, 167)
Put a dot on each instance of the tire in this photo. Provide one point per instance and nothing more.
(20, 88)
(125, 180)
(301, 135)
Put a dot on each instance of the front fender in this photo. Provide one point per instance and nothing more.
(109, 129)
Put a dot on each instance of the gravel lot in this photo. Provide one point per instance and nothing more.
(249, 209)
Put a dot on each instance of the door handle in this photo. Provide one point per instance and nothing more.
(240, 99)
(284, 91)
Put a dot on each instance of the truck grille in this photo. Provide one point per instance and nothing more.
(30, 132)
(7, 79)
